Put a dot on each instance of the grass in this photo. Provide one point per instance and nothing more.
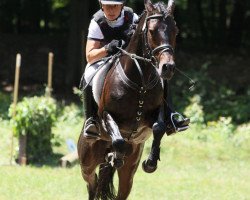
(204, 163)
(189, 169)
(173, 180)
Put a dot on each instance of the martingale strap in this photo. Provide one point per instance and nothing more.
(150, 85)
(141, 93)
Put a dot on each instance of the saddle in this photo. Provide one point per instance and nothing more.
(99, 78)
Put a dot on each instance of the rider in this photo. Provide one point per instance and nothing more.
(108, 27)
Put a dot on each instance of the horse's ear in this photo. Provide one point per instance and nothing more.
(171, 6)
(148, 5)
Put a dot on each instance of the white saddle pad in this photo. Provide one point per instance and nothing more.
(98, 81)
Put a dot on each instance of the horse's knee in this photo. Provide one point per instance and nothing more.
(89, 175)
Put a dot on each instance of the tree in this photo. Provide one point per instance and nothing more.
(80, 13)
(237, 23)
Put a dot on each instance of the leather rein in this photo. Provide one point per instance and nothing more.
(149, 57)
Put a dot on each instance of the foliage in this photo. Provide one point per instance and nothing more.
(4, 105)
(68, 126)
(34, 118)
(195, 110)
(211, 131)
(70, 113)
(242, 137)
(212, 22)
(215, 98)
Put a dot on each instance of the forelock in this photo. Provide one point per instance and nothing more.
(161, 7)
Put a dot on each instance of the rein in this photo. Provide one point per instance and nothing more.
(132, 84)
(151, 54)
(151, 59)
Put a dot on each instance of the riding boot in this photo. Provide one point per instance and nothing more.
(175, 122)
(91, 126)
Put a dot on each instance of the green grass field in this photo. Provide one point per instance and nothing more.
(200, 164)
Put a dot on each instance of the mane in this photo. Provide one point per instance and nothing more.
(160, 7)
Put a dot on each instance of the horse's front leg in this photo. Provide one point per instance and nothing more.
(150, 165)
(89, 157)
(127, 171)
(118, 142)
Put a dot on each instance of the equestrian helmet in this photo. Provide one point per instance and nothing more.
(111, 2)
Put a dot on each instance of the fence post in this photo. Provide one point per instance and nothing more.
(16, 86)
(50, 67)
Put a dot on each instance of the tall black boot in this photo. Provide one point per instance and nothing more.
(91, 126)
(175, 122)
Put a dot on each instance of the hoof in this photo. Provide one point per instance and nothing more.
(148, 167)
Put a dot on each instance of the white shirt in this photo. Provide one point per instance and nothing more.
(95, 31)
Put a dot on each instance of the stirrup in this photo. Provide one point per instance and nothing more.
(175, 128)
(91, 129)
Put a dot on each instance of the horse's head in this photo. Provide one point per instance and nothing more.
(160, 32)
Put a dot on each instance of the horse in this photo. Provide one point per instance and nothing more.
(130, 104)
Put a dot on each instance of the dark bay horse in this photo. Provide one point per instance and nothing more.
(130, 103)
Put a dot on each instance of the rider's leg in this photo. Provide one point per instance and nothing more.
(175, 122)
(91, 125)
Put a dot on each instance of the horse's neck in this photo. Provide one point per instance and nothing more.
(131, 70)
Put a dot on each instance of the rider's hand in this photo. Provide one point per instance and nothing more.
(111, 47)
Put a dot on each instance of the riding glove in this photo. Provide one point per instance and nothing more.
(111, 47)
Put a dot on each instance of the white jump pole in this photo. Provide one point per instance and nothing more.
(16, 85)
(50, 67)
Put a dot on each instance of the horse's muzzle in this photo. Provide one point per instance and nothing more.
(167, 70)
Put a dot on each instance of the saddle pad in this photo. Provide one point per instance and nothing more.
(98, 81)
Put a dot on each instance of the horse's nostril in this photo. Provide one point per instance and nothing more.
(170, 67)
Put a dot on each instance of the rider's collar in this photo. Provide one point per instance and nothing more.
(114, 23)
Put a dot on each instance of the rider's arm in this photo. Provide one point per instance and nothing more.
(94, 51)
(94, 46)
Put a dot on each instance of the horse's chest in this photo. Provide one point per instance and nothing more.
(127, 104)
(131, 98)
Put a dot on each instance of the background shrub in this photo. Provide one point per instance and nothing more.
(4, 105)
(34, 118)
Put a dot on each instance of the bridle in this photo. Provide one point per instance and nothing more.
(151, 53)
